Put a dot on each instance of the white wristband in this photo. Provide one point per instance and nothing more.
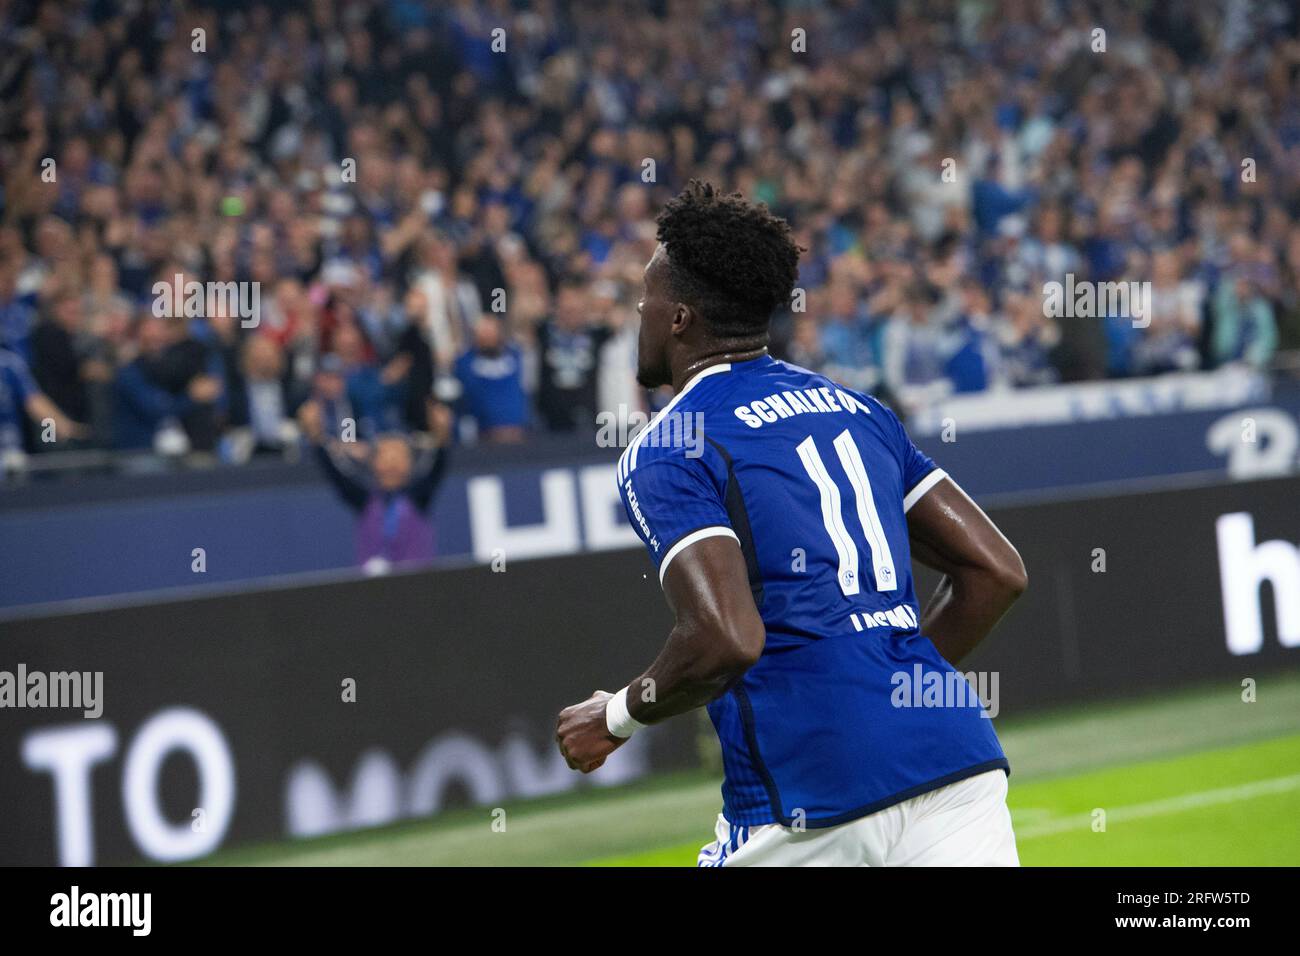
(617, 719)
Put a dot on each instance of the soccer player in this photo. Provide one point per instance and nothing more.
(782, 511)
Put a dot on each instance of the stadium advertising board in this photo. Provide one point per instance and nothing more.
(301, 711)
(285, 520)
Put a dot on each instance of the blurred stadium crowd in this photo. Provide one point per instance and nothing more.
(489, 252)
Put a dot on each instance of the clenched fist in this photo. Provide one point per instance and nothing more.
(583, 735)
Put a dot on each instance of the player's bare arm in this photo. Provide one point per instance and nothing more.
(718, 636)
(982, 571)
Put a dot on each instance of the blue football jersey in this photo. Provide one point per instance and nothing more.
(813, 480)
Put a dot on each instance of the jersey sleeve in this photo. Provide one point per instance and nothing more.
(920, 473)
(672, 503)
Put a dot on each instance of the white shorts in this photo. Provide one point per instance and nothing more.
(962, 824)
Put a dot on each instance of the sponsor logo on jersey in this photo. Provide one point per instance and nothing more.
(640, 518)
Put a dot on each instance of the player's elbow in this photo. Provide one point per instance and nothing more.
(736, 645)
(747, 646)
(1010, 575)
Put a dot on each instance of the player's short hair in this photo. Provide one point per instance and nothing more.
(730, 258)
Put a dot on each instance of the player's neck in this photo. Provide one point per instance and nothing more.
(730, 353)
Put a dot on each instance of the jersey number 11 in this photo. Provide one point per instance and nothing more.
(882, 562)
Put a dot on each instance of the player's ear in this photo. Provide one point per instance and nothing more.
(683, 318)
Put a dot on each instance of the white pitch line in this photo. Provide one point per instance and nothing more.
(1156, 808)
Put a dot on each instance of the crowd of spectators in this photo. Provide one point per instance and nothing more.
(451, 204)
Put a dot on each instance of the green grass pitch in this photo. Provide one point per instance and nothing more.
(1192, 779)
